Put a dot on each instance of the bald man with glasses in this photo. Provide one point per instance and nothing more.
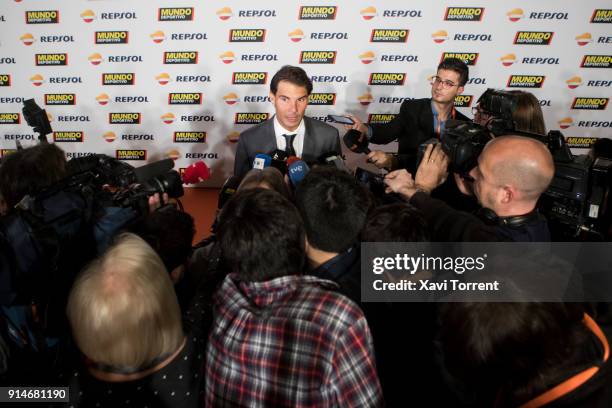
(418, 119)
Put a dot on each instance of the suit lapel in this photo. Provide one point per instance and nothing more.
(309, 143)
(268, 137)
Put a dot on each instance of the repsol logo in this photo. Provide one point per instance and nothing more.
(175, 14)
(602, 16)
(599, 83)
(469, 58)
(118, 79)
(197, 118)
(546, 15)
(69, 136)
(393, 99)
(189, 137)
(540, 61)
(127, 154)
(65, 80)
(247, 35)
(112, 37)
(184, 98)
(322, 99)
(51, 59)
(476, 81)
(389, 35)
(192, 78)
(590, 103)
(463, 101)
(473, 37)
(545, 102)
(256, 99)
(387, 78)
(318, 12)
(256, 13)
(322, 118)
(525, 81)
(72, 155)
(125, 58)
(595, 124)
(188, 36)
(329, 78)
(131, 99)
(259, 57)
(402, 13)
(329, 36)
(596, 61)
(318, 57)
(201, 156)
(42, 17)
(17, 137)
(580, 142)
(249, 78)
(250, 118)
(533, 37)
(399, 58)
(5, 80)
(124, 118)
(380, 118)
(16, 99)
(7, 60)
(10, 118)
(73, 118)
(129, 15)
(56, 38)
(180, 57)
(137, 137)
(464, 13)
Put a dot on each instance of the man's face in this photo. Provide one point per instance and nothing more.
(446, 86)
(290, 103)
(485, 188)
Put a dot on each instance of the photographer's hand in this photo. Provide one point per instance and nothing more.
(433, 169)
(358, 125)
(400, 182)
(380, 159)
(156, 202)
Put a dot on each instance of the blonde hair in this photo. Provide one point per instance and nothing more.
(123, 309)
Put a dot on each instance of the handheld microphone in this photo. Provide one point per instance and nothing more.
(333, 159)
(356, 141)
(229, 188)
(297, 169)
(196, 173)
(279, 160)
(262, 161)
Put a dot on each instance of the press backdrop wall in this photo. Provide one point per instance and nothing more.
(144, 80)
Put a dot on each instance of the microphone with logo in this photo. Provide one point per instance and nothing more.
(297, 169)
(333, 159)
(262, 161)
(279, 160)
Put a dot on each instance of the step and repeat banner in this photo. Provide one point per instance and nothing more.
(145, 80)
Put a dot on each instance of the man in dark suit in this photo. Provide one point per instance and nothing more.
(289, 130)
(418, 119)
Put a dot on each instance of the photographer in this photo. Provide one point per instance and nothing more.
(511, 174)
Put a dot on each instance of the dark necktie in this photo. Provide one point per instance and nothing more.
(289, 144)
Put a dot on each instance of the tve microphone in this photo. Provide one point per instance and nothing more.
(356, 141)
(196, 173)
(297, 169)
(262, 161)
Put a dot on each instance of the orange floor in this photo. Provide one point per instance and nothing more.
(201, 203)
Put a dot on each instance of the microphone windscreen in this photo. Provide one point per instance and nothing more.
(297, 170)
(262, 161)
(196, 173)
(356, 141)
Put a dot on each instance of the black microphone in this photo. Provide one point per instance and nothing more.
(227, 191)
(333, 159)
(279, 160)
(148, 171)
(356, 141)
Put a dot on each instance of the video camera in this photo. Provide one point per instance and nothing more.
(576, 201)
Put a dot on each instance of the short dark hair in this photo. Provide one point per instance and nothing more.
(334, 207)
(458, 66)
(261, 235)
(268, 175)
(169, 232)
(30, 170)
(295, 75)
(398, 222)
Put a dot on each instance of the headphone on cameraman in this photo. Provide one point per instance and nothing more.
(516, 221)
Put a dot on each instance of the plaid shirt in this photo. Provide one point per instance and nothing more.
(289, 342)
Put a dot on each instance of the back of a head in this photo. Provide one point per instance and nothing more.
(522, 162)
(528, 115)
(123, 309)
(397, 222)
(292, 74)
(30, 170)
(261, 235)
(334, 207)
(458, 66)
(269, 177)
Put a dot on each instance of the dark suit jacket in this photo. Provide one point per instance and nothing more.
(319, 138)
(411, 127)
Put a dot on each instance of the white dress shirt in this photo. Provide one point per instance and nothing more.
(298, 140)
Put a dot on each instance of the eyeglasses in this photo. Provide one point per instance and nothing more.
(446, 84)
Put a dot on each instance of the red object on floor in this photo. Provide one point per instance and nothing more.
(201, 203)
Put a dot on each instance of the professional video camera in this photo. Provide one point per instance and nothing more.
(576, 203)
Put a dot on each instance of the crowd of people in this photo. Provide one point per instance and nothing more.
(268, 311)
